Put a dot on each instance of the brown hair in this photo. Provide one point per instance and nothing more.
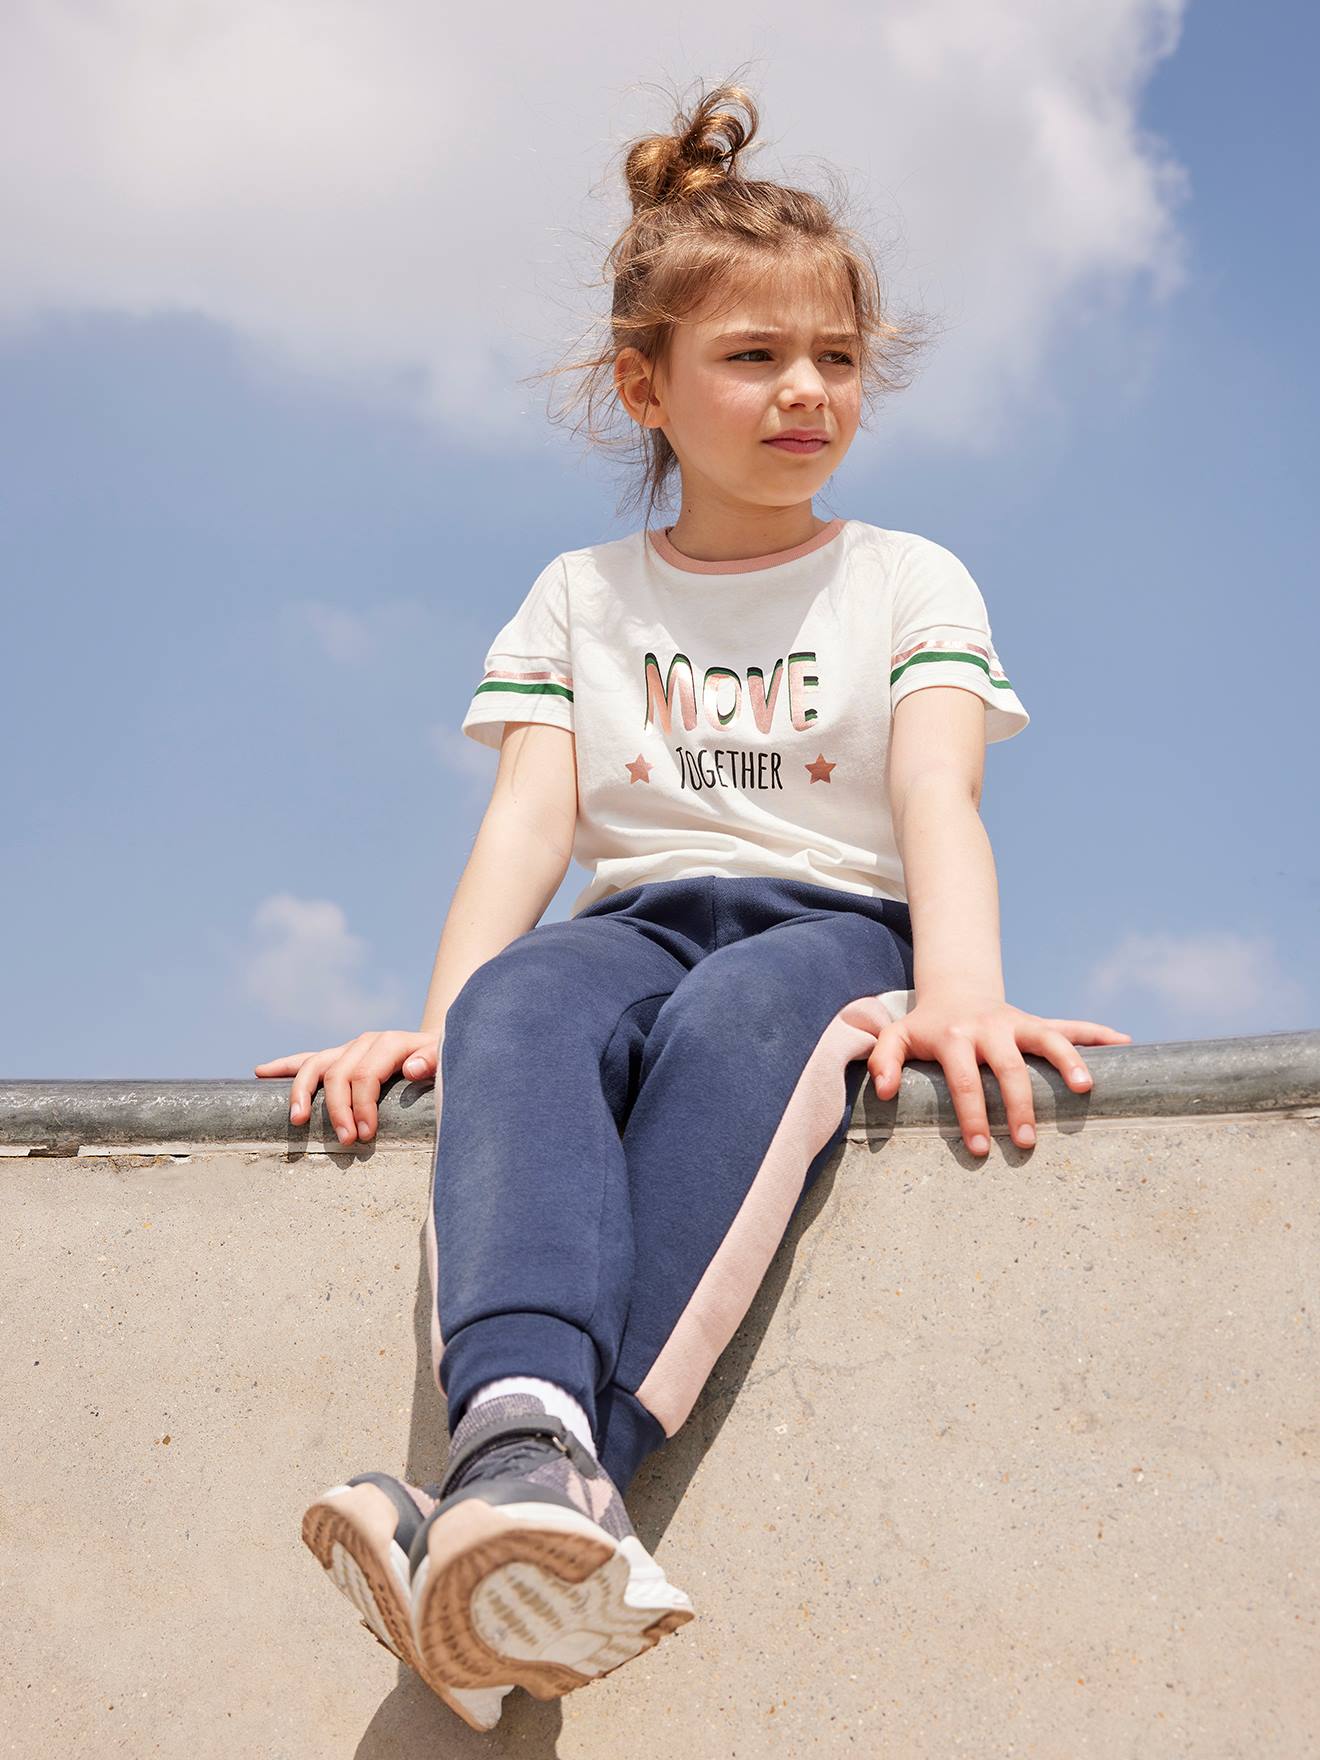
(700, 229)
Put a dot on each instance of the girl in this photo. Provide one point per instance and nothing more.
(763, 733)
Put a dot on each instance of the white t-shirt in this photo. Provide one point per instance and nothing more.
(733, 717)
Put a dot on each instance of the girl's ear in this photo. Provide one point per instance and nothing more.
(635, 380)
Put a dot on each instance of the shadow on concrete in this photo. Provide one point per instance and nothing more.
(412, 1721)
(529, 1726)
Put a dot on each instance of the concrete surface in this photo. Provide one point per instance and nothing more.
(1014, 1457)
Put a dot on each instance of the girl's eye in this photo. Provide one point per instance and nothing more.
(838, 354)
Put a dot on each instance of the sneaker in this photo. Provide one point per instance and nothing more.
(528, 1569)
(360, 1532)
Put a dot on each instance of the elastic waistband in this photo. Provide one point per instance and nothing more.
(731, 906)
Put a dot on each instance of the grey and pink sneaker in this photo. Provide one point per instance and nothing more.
(360, 1532)
(527, 1569)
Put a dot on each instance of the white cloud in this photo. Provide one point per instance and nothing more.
(462, 754)
(308, 968)
(1212, 983)
(344, 636)
(412, 199)
(353, 637)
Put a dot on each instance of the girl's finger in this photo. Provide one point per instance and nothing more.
(420, 1063)
(1089, 1032)
(305, 1084)
(366, 1092)
(957, 1055)
(1014, 1080)
(1059, 1049)
(366, 1083)
(282, 1066)
(885, 1063)
(339, 1097)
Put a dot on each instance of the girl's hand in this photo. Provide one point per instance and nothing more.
(353, 1074)
(961, 1029)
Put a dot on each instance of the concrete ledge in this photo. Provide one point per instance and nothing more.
(1011, 1457)
(1271, 1072)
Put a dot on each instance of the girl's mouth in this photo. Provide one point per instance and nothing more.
(797, 445)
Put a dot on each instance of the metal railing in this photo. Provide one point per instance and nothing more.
(1267, 1073)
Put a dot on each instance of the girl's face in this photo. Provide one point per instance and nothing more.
(768, 365)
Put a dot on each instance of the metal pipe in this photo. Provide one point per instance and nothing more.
(1266, 1073)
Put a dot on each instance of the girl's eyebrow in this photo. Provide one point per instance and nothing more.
(774, 335)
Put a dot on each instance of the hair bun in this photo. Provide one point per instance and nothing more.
(702, 150)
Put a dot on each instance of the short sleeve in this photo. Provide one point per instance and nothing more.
(528, 670)
(941, 635)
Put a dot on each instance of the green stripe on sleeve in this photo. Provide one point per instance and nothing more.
(526, 690)
(1001, 684)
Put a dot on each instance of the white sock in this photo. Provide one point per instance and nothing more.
(554, 1398)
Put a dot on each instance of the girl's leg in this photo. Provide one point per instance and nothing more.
(529, 1236)
(529, 1248)
(749, 1076)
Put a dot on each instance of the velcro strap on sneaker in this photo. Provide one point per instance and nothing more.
(505, 1430)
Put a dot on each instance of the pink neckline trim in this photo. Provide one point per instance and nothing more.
(743, 564)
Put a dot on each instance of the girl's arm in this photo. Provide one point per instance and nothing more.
(518, 860)
(961, 1019)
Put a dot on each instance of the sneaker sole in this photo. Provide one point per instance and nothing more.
(350, 1532)
(535, 1594)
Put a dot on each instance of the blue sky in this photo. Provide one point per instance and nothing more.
(249, 581)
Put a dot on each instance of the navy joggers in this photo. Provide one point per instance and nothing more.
(633, 1103)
